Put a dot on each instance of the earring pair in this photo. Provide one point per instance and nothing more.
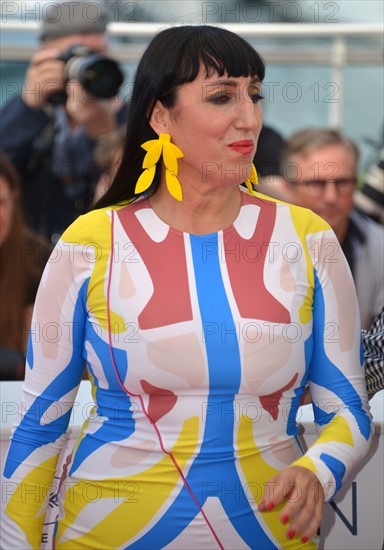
(163, 146)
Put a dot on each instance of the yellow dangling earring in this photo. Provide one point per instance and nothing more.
(171, 153)
(252, 180)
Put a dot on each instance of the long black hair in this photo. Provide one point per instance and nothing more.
(174, 57)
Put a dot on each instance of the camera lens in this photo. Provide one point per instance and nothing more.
(99, 75)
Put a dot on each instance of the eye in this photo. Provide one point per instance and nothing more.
(346, 186)
(315, 185)
(255, 98)
(219, 99)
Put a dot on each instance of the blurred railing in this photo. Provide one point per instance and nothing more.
(337, 52)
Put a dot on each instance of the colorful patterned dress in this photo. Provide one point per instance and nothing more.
(198, 348)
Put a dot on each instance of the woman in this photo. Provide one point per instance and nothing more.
(202, 310)
(23, 255)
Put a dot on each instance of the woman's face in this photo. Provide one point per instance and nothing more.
(6, 210)
(216, 123)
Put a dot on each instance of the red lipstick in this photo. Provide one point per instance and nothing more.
(244, 146)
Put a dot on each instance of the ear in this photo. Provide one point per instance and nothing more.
(159, 117)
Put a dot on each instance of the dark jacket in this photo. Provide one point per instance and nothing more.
(27, 138)
(269, 148)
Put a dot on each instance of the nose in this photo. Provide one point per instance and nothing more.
(249, 114)
(330, 192)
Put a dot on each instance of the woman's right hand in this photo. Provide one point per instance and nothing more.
(304, 496)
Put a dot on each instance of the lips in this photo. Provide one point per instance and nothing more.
(245, 146)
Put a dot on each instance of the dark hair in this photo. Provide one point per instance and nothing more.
(18, 277)
(13, 275)
(174, 57)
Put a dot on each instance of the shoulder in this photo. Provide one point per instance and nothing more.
(304, 220)
(94, 226)
(371, 232)
(375, 230)
(365, 223)
(82, 229)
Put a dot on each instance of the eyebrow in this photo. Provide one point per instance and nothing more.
(232, 83)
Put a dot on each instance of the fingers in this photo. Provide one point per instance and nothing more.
(45, 75)
(310, 529)
(302, 515)
(45, 54)
(303, 494)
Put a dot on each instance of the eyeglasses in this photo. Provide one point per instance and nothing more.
(344, 186)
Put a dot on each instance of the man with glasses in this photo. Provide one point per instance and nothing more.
(319, 167)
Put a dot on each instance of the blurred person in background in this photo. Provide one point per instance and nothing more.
(320, 172)
(51, 129)
(108, 156)
(369, 199)
(267, 163)
(23, 255)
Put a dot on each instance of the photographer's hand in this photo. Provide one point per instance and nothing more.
(45, 76)
(98, 117)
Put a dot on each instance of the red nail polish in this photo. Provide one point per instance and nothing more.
(270, 506)
(304, 539)
(291, 534)
(284, 519)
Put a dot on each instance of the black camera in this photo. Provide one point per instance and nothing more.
(99, 75)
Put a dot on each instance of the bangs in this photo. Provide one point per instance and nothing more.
(221, 52)
(189, 48)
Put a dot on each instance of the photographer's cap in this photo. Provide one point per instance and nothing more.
(66, 18)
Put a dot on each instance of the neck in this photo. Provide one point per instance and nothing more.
(198, 214)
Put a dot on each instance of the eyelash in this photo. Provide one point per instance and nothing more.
(256, 97)
(223, 99)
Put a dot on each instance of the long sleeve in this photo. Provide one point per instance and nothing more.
(54, 368)
(336, 373)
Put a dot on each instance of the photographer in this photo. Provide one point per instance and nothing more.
(67, 107)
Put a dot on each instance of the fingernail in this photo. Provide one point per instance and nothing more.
(270, 506)
(290, 534)
(304, 539)
(284, 519)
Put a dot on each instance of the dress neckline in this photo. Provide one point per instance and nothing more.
(244, 200)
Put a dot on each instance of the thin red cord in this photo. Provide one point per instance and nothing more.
(140, 397)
